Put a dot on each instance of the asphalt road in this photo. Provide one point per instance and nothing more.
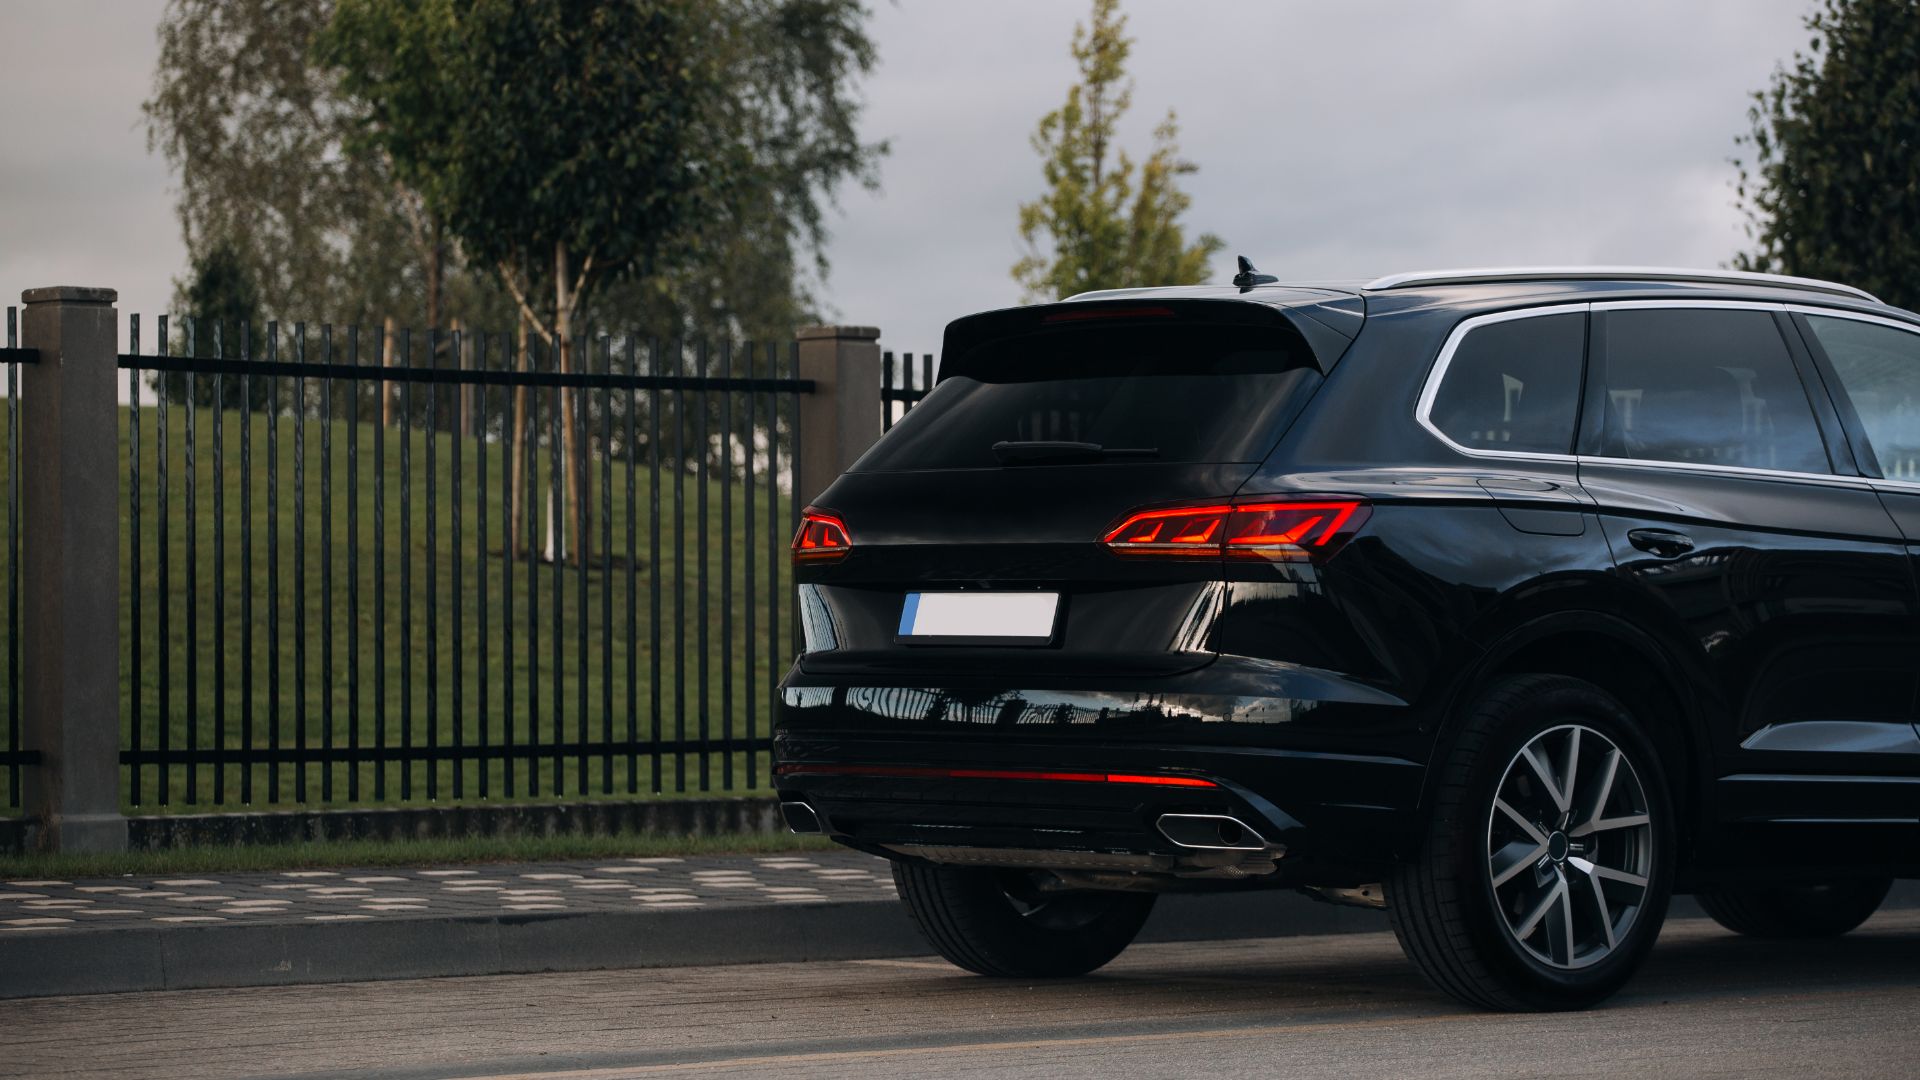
(1708, 1004)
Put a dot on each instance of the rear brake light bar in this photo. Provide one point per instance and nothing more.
(821, 537)
(1093, 313)
(920, 773)
(1277, 530)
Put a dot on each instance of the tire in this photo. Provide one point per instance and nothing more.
(1475, 908)
(993, 922)
(1796, 911)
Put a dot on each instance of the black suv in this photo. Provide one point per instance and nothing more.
(1509, 601)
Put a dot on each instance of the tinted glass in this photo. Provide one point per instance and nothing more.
(1191, 393)
(1879, 367)
(1708, 387)
(1514, 385)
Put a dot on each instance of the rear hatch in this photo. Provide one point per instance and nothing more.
(1048, 428)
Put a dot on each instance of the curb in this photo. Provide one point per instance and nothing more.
(279, 954)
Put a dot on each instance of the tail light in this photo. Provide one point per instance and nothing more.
(1282, 531)
(821, 537)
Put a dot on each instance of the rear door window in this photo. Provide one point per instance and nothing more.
(1705, 386)
(1171, 393)
(1879, 368)
(1514, 385)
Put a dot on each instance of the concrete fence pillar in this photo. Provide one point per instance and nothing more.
(841, 418)
(70, 570)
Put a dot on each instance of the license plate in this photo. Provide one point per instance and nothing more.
(979, 618)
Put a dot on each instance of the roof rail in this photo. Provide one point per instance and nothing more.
(1611, 273)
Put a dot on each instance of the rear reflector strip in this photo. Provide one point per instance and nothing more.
(919, 773)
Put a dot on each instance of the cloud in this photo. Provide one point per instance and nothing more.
(1333, 139)
(81, 200)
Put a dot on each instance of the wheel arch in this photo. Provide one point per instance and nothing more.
(1623, 660)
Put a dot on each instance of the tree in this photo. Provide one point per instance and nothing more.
(221, 298)
(1831, 186)
(258, 136)
(571, 145)
(1097, 226)
(552, 136)
(749, 266)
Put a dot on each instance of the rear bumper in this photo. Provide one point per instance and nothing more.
(1080, 780)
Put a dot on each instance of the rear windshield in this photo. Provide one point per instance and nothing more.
(1187, 392)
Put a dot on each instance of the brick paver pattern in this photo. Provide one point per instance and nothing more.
(43, 906)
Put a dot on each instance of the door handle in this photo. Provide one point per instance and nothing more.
(1662, 542)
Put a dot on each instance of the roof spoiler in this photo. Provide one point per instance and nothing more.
(969, 333)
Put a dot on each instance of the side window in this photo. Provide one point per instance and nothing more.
(1879, 367)
(1705, 386)
(1514, 385)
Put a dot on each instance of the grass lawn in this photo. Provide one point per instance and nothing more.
(443, 624)
(201, 860)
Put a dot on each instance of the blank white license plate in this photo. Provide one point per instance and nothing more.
(982, 618)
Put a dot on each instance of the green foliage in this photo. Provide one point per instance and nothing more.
(541, 128)
(1100, 225)
(686, 146)
(224, 304)
(314, 137)
(222, 288)
(566, 144)
(751, 264)
(1831, 187)
(258, 136)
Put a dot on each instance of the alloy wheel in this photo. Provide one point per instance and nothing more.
(1569, 847)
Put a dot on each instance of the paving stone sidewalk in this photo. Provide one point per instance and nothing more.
(258, 928)
(36, 906)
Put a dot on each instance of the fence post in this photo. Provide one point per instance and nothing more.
(841, 418)
(70, 572)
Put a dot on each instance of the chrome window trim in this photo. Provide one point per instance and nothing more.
(1877, 482)
(1856, 316)
(1423, 408)
(1431, 389)
(1681, 275)
(1829, 479)
(1681, 305)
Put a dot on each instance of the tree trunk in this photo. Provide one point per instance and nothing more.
(387, 348)
(436, 273)
(517, 501)
(463, 411)
(573, 463)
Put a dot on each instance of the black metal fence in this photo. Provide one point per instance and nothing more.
(13, 756)
(902, 392)
(347, 580)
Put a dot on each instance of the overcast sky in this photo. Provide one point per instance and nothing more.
(1333, 138)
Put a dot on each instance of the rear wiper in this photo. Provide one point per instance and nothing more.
(1045, 451)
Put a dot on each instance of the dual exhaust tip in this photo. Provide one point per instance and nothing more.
(1210, 832)
(801, 818)
(1205, 832)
